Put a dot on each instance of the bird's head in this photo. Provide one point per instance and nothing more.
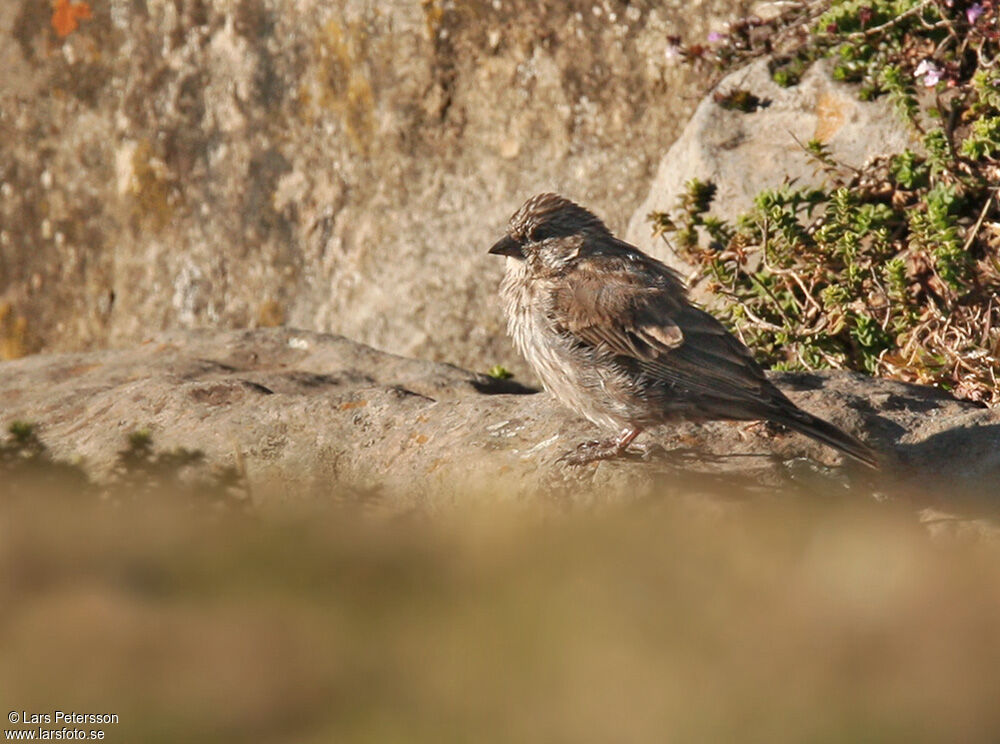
(549, 227)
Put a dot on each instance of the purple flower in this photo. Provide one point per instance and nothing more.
(714, 37)
(930, 72)
(973, 12)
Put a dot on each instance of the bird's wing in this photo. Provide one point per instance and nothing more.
(635, 308)
(603, 304)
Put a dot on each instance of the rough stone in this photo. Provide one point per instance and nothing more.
(745, 152)
(303, 412)
(338, 166)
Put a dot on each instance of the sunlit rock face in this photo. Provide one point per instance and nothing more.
(338, 166)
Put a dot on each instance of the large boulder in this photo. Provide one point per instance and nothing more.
(339, 166)
(743, 152)
(302, 412)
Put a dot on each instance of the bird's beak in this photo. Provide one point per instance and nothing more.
(507, 246)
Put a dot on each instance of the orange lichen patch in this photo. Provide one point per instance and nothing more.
(419, 438)
(340, 84)
(13, 333)
(151, 186)
(830, 117)
(66, 16)
(433, 17)
(79, 369)
(270, 314)
(688, 440)
(352, 404)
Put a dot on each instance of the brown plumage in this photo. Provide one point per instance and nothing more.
(610, 332)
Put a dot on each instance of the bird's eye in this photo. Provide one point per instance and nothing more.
(542, 232)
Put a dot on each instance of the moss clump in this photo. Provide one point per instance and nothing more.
(499, 372)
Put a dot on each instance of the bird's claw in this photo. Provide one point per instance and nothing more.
(591, 451)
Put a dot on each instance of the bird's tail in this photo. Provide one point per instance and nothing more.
(824, 431)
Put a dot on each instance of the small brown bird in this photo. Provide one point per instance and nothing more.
(611, 333)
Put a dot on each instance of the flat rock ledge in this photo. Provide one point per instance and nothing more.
(307, 413)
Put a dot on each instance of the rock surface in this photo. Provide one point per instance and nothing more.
(302, 411)
(745, 152)
(339, 166)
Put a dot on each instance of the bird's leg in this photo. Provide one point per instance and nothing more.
(594, 450)
(627, 437)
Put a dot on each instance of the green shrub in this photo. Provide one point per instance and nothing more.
(894, 269)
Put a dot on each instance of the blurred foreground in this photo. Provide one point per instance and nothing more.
(667, 620)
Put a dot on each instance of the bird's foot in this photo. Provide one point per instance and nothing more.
(592, 451)
(603, 450)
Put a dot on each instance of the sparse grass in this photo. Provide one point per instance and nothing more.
(141, 472)
(894, 269)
